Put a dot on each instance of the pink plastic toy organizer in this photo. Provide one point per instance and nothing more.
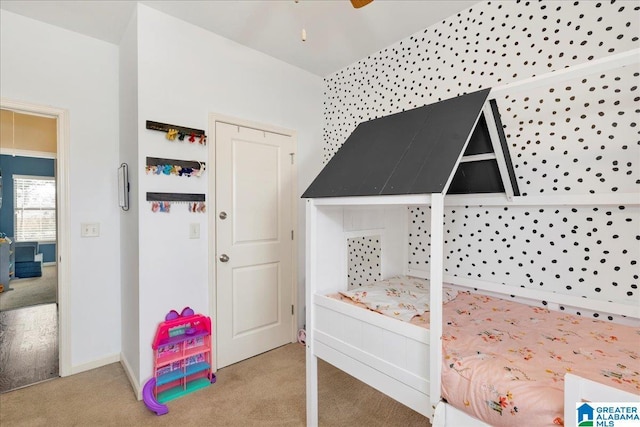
(182, 359)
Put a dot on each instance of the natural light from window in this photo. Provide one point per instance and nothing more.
(34, 208)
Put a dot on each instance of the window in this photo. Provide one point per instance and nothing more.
(34, 208)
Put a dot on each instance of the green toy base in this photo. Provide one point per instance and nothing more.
(176, 392)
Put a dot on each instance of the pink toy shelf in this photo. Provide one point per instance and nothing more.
(182, 359)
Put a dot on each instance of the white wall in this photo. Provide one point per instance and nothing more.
(129, 242)
(185, 73)
(46, 65)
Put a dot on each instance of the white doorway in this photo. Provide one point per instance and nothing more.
(253, 247)
(62, 220)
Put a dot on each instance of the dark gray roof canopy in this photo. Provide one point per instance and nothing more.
(415, 152)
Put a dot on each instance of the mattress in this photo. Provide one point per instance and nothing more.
(504, 362)
(419, 320)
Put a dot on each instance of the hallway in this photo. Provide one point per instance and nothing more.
(28, 346)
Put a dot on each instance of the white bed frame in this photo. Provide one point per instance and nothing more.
(397, 358)
(390, 355)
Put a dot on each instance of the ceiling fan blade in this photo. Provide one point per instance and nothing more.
(360, 3)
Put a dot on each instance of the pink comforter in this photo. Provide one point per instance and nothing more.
(504, 362)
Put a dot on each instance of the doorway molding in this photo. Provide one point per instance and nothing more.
(63, 225)
(211, 215)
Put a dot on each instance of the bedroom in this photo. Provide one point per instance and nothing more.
(378, 85)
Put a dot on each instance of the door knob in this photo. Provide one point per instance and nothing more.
(223, 215)
(224, 258)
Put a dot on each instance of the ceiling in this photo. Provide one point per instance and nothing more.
(337, 34)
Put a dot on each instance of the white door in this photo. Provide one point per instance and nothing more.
(254, 243)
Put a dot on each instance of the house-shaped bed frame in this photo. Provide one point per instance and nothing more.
(415, 158)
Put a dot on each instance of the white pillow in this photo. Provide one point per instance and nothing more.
(401, 297)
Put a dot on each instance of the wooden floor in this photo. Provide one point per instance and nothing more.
(28, 346)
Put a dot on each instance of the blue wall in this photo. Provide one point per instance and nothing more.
(19, 165)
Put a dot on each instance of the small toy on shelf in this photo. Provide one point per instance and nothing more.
(182, 359)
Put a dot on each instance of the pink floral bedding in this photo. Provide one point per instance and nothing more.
(504, 362)
(401, 297)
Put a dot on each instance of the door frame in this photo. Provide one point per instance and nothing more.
(63, 223)
(212, 211)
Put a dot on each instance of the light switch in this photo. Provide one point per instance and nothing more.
(90, 229)
(194, 230)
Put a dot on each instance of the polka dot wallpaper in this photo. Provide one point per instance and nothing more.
(364, 260)
(578, 137)
(584, 251)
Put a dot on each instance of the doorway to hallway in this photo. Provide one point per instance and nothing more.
(34, 316)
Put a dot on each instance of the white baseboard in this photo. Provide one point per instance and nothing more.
(137, 390)
(48, 264)
(95, 364)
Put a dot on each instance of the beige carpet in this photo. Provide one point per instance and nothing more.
(267, 390)
(31, 291)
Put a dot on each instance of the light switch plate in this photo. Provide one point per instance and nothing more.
(194, 230)
(90, 229)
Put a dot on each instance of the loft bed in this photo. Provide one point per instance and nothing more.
(406, 160)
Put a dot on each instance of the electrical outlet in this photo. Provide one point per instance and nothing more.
(90, 229)
(194, 230)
